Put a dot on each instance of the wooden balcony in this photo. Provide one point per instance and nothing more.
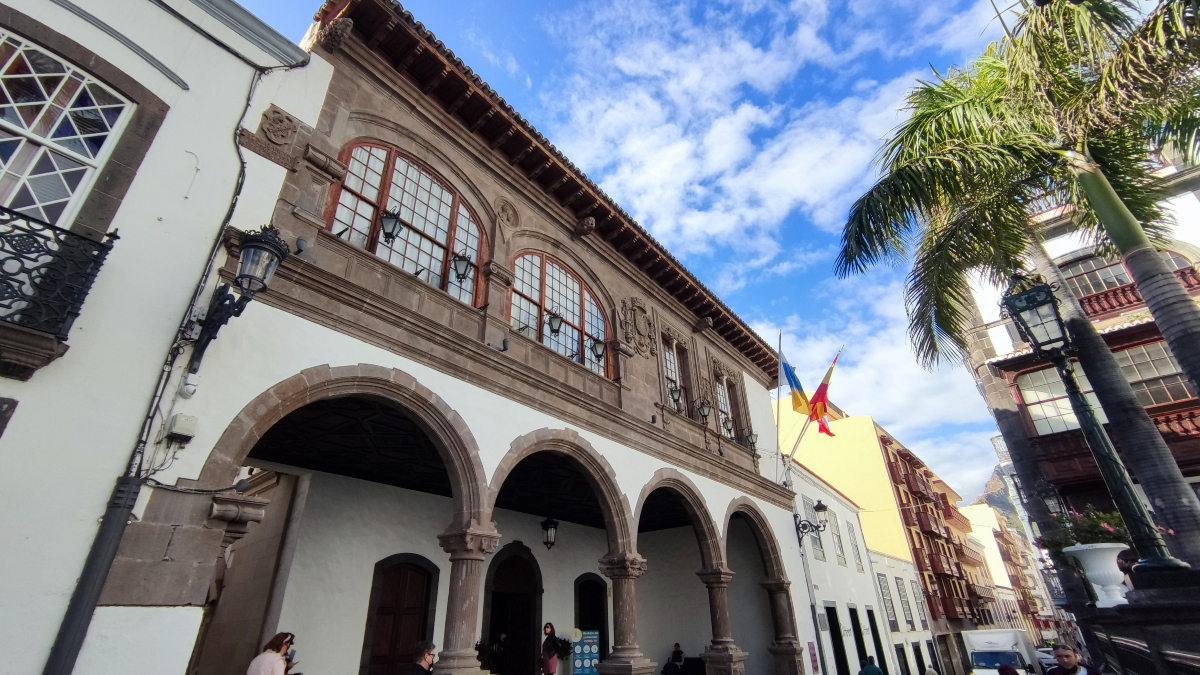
(969, 555)
(957, 608)
(955, 518)
(1120, 299)
(929, 525)
(982, 592)
(921, 560)
(937, 610)
(908, 515)
(919, 486)
(941, 565)
(896, 473)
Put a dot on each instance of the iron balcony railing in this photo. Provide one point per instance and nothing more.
(45, 272)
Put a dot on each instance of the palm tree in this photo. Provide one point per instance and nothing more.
(958, 181)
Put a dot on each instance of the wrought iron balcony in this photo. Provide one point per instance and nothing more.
(1115, 300)
(45, 275)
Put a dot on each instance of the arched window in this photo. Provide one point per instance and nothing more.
(543, 288)
(436, 225)
(1093, 275)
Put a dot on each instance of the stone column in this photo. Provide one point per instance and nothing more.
(722, 657)
(786, 648)
(467, 549)
(626, 658)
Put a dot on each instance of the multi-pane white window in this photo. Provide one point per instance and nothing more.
(1092, 275)
(810, 514)
(57, 127)
(675, 370)
(858, 562)
(902, 592)
(1154, 374)
(725, 410)
(885, 593)
(835, 532)
(1045, 400)
(542, 288)
(436, 225)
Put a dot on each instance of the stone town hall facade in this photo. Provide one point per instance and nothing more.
(404, 421)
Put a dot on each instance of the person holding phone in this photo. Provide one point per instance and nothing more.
(276, 659)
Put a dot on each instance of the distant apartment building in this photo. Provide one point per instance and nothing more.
(899, 587)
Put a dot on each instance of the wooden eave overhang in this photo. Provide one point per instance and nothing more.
(390, 31)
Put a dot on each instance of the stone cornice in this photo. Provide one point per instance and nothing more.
(362, 314)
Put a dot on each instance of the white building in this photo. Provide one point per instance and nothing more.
(412, 404)
(898, 581)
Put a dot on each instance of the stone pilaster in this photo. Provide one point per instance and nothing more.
(626, 657)
(722, 657)
(467, 549)
(786, 649)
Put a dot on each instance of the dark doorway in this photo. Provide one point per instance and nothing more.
(591, 607)
(835, 636)
(943, 655)
(916, 647)
(934, 659)
(902, 659)
(400, 619)
(514, 611)
(859, 643)
(878, 642)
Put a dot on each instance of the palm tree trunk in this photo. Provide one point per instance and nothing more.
(1142, 448)
(1174, 311)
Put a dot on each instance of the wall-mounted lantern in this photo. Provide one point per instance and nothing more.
(390, 225)
(462, 266)
(555, 321)
(549, 531)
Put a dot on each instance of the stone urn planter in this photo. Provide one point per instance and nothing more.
(1100, 565)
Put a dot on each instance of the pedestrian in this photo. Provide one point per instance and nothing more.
(930, 671)
(675, 662)
(550, 650)
(1068, 662)
(273, 659)
(869, 667)
(1125, 561)
(1007, 669)
(422, 659)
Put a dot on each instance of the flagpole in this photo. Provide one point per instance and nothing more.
(778, 409)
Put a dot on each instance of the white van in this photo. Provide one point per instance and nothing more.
(991, 649)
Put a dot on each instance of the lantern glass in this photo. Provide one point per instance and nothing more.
(704, 409)
(728, 424)
(752, 439)
(676, 395)
(556, 322)
(549, 532)
(822, 512)
(390, 224)
(462, 267)
(261, 254)
(598, 349)
(1036, 313)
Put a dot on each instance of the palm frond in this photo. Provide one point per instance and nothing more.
(1154, 63)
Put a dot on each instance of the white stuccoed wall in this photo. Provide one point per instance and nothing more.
(81, 414)
(894, 567)
(749, 604)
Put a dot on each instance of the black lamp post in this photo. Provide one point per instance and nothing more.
(261, 254)
(390, 225)
(549, 531)
(462, 266)
(805, 526)
(1035, 312)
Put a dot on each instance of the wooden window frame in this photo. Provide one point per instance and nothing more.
(375, 234)
(585, 291)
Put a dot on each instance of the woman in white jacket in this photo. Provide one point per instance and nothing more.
(273, 660)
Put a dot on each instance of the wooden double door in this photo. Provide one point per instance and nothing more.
(401, 618)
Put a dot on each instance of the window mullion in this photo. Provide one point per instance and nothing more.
(385, 191)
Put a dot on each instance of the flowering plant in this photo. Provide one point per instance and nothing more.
(1089, 527)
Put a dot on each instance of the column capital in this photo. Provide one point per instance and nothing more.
(719, 576)
(623, 566)
(776, 585)
(472, 543)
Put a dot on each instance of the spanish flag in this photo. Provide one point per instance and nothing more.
(820, 401)
(799, 399)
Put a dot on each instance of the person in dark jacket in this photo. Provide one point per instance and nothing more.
(1068, 662)
(869, 667)
(422, 660)
(675, 662)
(549, 650)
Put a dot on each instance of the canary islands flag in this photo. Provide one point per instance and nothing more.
(799, 399)
(820, 401)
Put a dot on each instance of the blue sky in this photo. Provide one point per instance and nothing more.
(738, 132)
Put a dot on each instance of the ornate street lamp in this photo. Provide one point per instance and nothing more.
(1034, 310)
(598, 348)
(728, 424)
(752, 439)
(390, 225)
(549, 530)
(462, 266)
(555, 321)
(677, 398)
(805, 526)
(704, 407)
(261, 254)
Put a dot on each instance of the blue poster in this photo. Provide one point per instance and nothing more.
(585, 653)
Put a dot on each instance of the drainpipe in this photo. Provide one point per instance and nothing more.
(86, 596)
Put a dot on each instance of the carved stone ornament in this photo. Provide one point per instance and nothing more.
(639, 331)
(498, 273)
(334, 34)
(279, 127)
(585, 226)
(624, 566)
(722, 370)
(671, 335)
(507, 218)
(324, 163)
(472, 543)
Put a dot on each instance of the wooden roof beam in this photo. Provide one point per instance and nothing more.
(460, 101)
(540, 168)
(481, 120)
(436, 81)
(503, 138)
(407, 60)
(559, 182)
(383, 31)
(516, 159)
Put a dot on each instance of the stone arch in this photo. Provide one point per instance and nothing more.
(712, 545)
(764, 536)
(445, 428)
(598, 472)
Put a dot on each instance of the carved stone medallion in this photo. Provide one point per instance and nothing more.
(635, 322)
(279, 127)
